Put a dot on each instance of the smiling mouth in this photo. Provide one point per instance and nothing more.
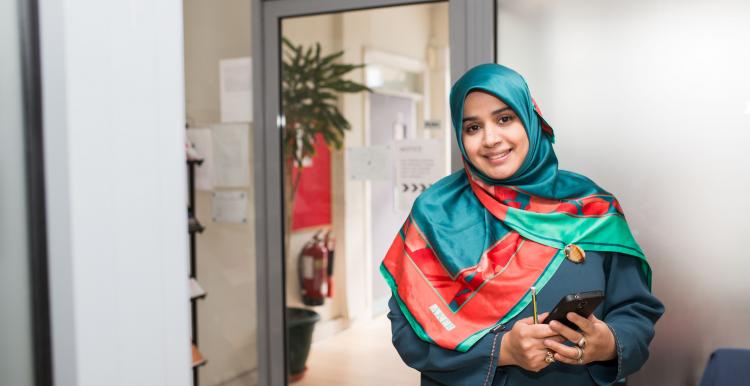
(498, 156)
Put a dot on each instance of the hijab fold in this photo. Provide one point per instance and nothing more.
(472, 246)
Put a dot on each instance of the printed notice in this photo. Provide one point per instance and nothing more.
(369, 163)
(229, 207)
(231, 154)
(236, 97)
(419, 163)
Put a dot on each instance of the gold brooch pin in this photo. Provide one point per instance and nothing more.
(575, 253)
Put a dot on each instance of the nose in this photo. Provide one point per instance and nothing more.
(492, 136)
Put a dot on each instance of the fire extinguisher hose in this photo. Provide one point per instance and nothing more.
(330, 274)
(330, 247)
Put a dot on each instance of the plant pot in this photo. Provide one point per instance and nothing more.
(300, 326)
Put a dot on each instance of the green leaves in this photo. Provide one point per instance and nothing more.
(311, 85)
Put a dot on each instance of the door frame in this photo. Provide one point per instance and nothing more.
(36, 192)
(472, 41)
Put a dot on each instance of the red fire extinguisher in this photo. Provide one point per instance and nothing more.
(316, 269)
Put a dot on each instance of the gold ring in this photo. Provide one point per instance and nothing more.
(550, 358)
(581, 342)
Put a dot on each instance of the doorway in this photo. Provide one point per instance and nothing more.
(343, 205)
(332, 196)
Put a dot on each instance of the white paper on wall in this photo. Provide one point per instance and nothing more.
(204, 173)
(369, 163)
(231, 154)
(419, 163)
(229, 207)
(235, 90)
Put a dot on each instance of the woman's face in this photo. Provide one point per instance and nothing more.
(494, 137)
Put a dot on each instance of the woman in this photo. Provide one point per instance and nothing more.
(462, 265)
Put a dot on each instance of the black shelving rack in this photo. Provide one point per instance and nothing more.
(194, 227)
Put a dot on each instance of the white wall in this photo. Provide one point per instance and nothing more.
(214, 30)
(114, 158)
(652, 101)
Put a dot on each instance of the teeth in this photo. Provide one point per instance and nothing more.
(498, 156)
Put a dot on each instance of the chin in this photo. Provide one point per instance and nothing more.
(501, 172)
(497, 174)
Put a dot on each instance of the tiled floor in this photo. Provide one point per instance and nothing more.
(362, 356)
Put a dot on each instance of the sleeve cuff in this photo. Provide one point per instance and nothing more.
(608, 372)
(494, 358)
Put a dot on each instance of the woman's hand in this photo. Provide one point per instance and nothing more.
(523, 345)
(599, 342)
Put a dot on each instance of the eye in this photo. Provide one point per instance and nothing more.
(504, 119)
(471, 129)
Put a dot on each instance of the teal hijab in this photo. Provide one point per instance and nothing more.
(459, 227)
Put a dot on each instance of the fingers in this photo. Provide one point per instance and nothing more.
(564, 359)
(534, 360)
(551, 337)
(558, 347)
(565, 331)
(541, 331)
(558, 339)
(586, 325)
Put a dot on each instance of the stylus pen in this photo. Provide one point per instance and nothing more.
(533, 301)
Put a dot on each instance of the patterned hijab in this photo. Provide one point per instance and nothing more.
(472, 246)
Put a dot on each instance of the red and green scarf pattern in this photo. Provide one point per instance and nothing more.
(471, 247)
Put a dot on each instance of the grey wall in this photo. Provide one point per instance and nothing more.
(227, 317)
(652, 101)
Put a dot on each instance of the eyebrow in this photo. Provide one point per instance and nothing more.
(498, 111)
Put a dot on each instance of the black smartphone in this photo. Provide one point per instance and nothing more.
(582, 303)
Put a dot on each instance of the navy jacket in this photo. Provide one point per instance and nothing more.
(629, 309)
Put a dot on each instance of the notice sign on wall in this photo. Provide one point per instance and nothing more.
(419, 163)
(372, 163)
(229, 207)
(236, 90)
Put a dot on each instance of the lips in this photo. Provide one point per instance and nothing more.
(499, 156)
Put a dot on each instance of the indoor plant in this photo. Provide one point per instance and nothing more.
(311, 84)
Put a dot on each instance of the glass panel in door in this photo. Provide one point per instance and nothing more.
(347, 183)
